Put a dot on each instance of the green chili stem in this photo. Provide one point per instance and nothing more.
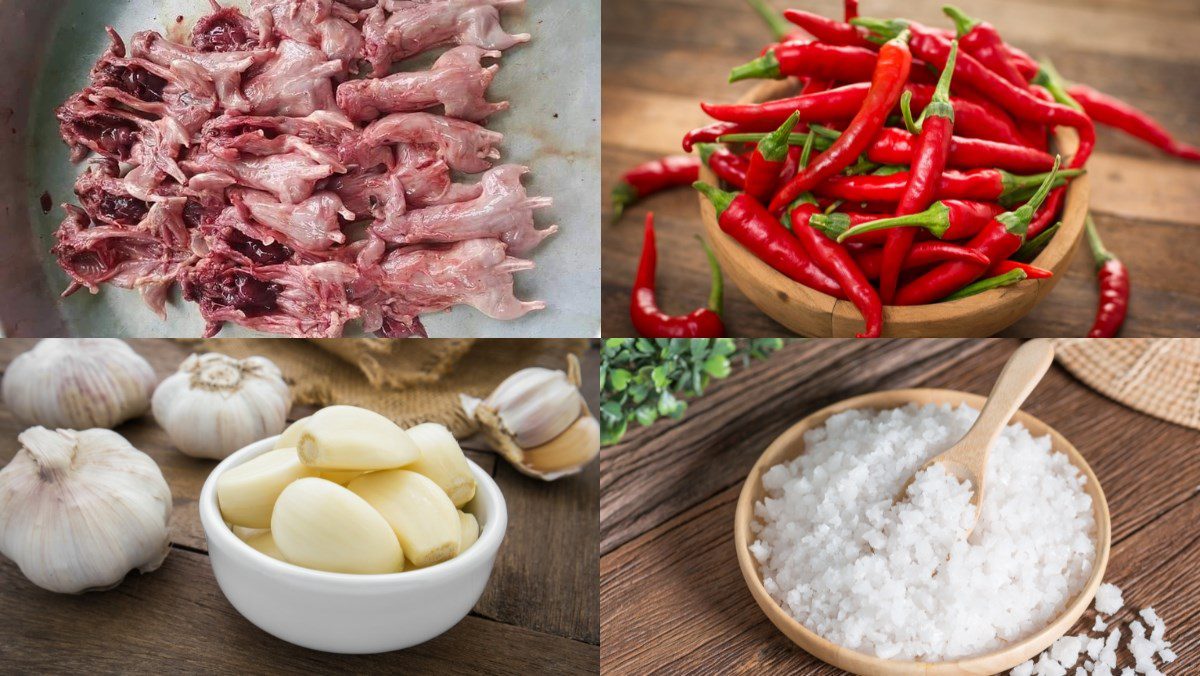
(716, 294)
(1099, 253)
(1010, 277)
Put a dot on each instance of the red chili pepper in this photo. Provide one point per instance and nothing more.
(998, 241)
(1113, 279)
(887, 82)
(924, 177)
(1113, 112)
(711, 132)
(755, 228)
(834, 224)
(981, 40)
(654, 176)
(814, 85)
(1031, 272)
(1022, 103)
(987, 284)
(827, 30)
(986, 185)
(652, 322)
(850, 9)
(922, 254)
(836, 262)
(1047, 214)
(809, 59)
(946, 219)
(843, 103)
(727, 166)
(767, 160)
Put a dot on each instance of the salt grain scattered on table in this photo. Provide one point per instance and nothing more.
(1108, 599)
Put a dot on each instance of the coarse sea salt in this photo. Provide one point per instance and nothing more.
(1108, 599)
(902, 580)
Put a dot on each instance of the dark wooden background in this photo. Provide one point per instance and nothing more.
(539, 614)
(662, 57)
(672, 596)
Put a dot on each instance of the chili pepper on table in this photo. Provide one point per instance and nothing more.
(811, 59)
(827, 30)
(1031, 272)
(987, 185)
(752, 226)
(922, 254)
(1006, 279)
(1022, 103)
(981, 40)
(727, 166)
(1113, 279)
(711, 132)
(936, 127)
(654, 176)
(1113, 112)
(944, 219)
(652, 322)
(999, 240)
(1034, 246)
(887, 81)
(767, 160)
(837, 262)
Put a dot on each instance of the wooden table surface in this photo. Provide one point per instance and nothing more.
(662, 57)
(672, 596)
(539, 614)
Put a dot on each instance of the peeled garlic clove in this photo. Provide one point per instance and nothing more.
(340, 477)
(349, 437)
(470, 531)
(78, 383)
(247, 493)
(291, 436)
(79, 510)
(320, 525)
(264, 542)
(566, 454)
(418, 510)
(533, 405)
(442, 460)
(215, 404)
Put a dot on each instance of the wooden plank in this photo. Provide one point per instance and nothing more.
(176, 620)
(670, 492)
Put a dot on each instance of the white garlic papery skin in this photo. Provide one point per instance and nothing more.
(79, 510)
(534, 404)
(216, 404)
(78, 383)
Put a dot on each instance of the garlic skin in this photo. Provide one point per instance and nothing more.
(216, 404)
(543, 429)
(535, 404)
(79, 510)
(78, 383)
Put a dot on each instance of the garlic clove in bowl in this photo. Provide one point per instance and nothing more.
(215, 404)
(78, 383)
(80, 509)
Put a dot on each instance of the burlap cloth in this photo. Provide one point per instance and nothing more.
(410, 381)
(1160, 377)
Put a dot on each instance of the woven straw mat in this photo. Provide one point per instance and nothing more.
(1160, 377)
(409, 381)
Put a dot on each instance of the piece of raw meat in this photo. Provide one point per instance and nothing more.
(224, 30)
(397, 29)
(223, 69)
(295, 82)
(314, 22)
(465, 146)
(503, 211)
(457, 81)
(311, 225)
(290, 177)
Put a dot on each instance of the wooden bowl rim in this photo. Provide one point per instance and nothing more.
(789, 445)
(1056, 257)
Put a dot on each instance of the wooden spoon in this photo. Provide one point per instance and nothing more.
(967, 460)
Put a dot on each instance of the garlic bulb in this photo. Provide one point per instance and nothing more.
(539, 422)
(78, 383)
(216, 404)
(79, 510)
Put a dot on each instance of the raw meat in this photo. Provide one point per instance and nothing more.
(457, 81)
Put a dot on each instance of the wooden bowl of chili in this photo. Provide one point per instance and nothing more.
(819, 315)
(790, 445)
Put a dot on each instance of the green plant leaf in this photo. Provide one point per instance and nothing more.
(717, 366)
(620, 379)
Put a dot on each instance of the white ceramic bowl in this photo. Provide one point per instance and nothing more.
(344, 613)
